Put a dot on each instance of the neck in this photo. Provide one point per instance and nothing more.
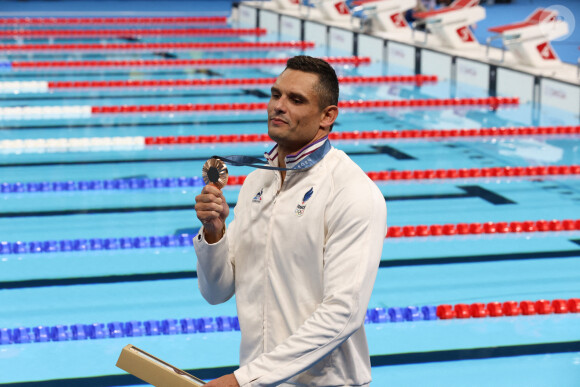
(283, 151)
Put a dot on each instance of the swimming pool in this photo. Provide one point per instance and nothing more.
(96, 218)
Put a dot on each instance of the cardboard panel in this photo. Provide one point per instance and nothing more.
(154, 370)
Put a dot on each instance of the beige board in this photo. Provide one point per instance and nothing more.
(153, 370)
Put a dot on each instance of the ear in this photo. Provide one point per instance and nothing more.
(328, 116)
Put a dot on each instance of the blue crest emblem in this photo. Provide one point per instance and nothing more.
(300, 208)
(307, 195)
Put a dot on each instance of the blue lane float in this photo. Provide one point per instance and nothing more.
(100, 185)
(66, 245)
(167, 327)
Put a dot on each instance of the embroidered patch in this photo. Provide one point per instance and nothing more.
(258, 197)
(301, 207)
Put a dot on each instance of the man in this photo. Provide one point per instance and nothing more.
(303, 250)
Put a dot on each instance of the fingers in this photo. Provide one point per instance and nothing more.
(211, 189)
(210, 205)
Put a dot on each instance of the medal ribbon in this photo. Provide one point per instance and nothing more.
(255, 162)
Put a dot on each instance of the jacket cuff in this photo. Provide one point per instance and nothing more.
(242, 377)
(200, 238)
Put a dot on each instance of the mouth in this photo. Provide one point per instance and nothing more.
(277, 121)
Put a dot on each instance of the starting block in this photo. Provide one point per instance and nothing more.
(332, 10)
(452, 24)
(287, 4)
(385, 15)
(529, 41)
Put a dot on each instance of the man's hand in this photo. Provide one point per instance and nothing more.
(211, 208)
(228, 380)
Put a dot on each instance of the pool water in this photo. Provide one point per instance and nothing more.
(116, 284)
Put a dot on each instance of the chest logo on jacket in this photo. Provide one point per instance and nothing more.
(258, 197)
(301, 207)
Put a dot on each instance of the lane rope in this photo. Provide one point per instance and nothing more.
(140, 142)
(376, 134)
(45, 87)
(380, 315)
(101, 33)
(87, 111)
(244, 62)
(83, 21)
(230, 46)
(183, 181)
(185, 239)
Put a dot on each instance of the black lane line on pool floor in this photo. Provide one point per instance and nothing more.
(111, 279)
(376, 361)
(470, 192)
(105, 279)
(480, 258)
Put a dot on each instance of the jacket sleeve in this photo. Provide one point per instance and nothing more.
(215, 266)
(356, 224)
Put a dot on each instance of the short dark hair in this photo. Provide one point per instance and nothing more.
(327, 86)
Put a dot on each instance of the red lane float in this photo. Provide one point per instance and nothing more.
(159, 46)
(462, 173)
(446, 133)
(483, 228)
(231, 82)
(492, 101)
(508, 308)
(354, 60)
(84, 21)
(422, 230)
(376, 134)
(101, 33)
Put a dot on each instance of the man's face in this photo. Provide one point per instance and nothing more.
(294, 116)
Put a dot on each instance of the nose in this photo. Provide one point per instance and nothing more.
(279, 105)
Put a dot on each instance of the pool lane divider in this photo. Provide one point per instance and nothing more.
(164, 63)
(139, 142)
(44, 86)
(88, 21)
(185, 239)
(377, 134)
(151, 32)
(184, 181)
(171, 326)
(86, 111)
(230, 46)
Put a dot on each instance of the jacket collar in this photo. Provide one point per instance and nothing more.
(304, 158)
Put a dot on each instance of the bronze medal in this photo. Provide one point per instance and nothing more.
(215, 171)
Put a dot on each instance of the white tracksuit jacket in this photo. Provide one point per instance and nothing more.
(301, 259)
